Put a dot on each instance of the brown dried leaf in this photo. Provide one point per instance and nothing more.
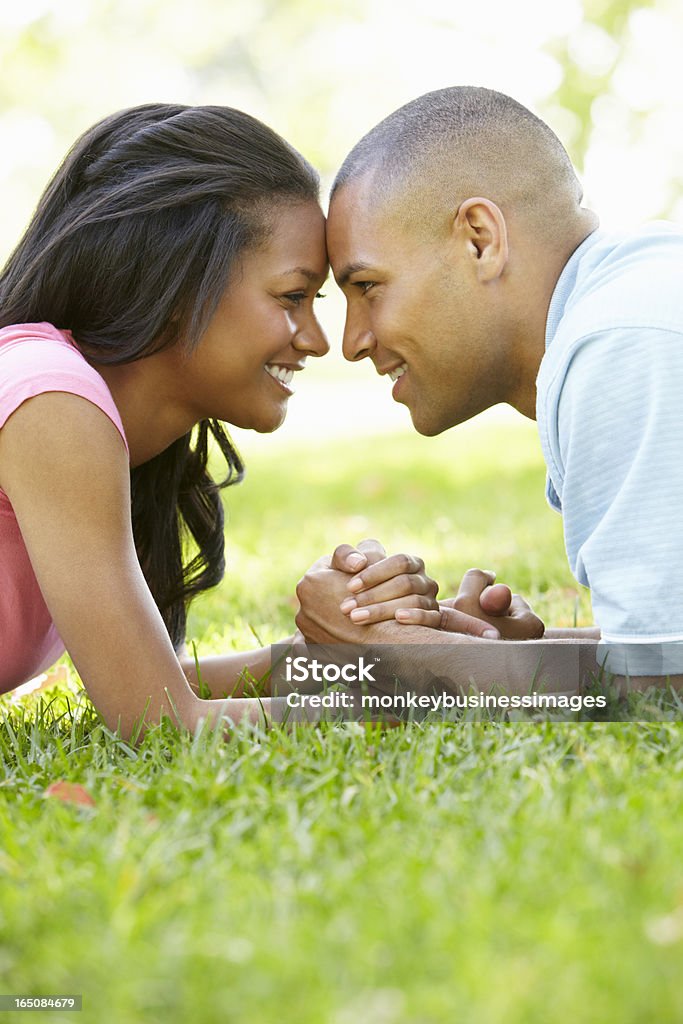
(69, 793)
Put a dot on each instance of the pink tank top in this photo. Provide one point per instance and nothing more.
(34, 358)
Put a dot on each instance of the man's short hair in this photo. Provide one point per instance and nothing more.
(466, 141)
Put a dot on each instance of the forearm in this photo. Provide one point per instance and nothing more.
(228, 713)
(556, 664)
(234, 711)
(233, 675)
(229, 675)
(589, 633)
(262, 711)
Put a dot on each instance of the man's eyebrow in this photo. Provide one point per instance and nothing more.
(348, 270)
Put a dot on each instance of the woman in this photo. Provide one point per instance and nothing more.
(165, 284)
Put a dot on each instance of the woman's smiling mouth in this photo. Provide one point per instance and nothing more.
(283, 375)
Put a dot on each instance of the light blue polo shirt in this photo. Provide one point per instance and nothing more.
(610, 417)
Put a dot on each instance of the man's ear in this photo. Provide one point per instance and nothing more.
(479, 226)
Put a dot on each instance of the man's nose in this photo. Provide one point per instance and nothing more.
(359, 341)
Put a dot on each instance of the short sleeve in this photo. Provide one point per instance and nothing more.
(619, 446)
(31, 366)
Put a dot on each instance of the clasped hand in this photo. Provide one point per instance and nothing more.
(396, 588)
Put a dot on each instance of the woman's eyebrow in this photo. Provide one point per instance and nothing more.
(312, 275)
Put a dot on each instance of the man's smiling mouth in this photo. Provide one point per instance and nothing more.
(397, 372)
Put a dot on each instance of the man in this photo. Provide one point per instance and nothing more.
(473, 275)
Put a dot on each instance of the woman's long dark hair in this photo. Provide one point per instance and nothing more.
(130, 249)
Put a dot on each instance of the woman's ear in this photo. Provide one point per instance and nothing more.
(479, 226)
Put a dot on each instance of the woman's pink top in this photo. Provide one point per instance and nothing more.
(34, 358)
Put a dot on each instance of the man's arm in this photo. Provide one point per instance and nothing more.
(590, 633)
(612, 422)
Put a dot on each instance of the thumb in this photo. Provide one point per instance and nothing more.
(453, 621)
(372, 550)
(496, 599)
(348, 559)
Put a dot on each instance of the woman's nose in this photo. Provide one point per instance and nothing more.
(312, 339)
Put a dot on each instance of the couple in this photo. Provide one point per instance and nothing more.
(166, 282)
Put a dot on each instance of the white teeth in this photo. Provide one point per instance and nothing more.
(280, 373)
(398, 372)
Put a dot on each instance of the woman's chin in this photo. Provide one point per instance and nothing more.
(263, 421)
(271, 423)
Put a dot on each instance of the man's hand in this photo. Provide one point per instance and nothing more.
(493, 605)
(397, 587)
(382, 583)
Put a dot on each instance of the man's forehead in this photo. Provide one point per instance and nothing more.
(355, 199)
(360, 224)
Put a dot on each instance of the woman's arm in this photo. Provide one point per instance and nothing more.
(65, 471)
(229, 675)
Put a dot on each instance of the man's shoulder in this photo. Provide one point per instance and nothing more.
(623, 287)
(617, 342)
(627, 279)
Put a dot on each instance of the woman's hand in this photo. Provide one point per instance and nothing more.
(324, 591)
(502, 614)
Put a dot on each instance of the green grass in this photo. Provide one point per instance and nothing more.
(484, 872)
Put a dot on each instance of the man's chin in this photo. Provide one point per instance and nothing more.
(427, 426)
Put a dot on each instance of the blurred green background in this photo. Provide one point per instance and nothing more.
(605, 74)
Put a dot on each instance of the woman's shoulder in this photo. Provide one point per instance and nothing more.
(23, 338)
(43, 355)
(38, 357)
